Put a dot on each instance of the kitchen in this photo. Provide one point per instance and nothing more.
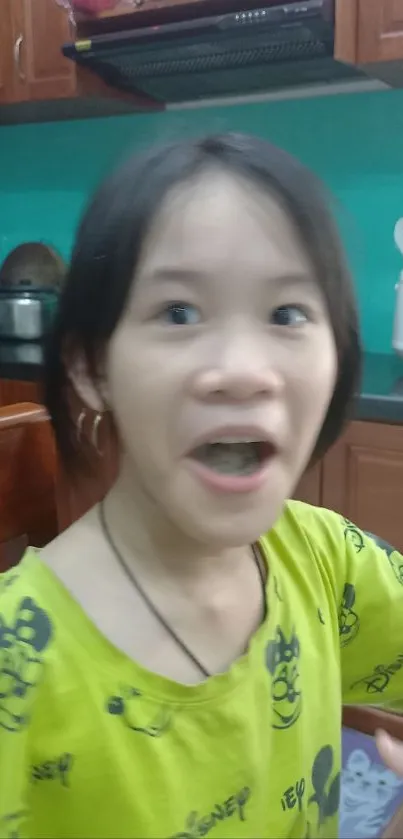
(352, 140)
(53, 152)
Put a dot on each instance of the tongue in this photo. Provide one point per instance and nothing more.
(230, 458)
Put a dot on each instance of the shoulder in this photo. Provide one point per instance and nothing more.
(21, 586)
(26, 632)
(319, 527)
(312, 539)
(24, 618)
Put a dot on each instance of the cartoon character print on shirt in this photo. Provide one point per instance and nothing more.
(378, 680)
(354, 535)
(138, 714)
(22, 644)
(282, 660)
(349, 622)
(326, 785)
(394, 557)
(367, 790)
(313, 801)
(232, 808)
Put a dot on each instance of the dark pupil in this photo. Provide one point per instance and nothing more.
(178, 314)
(282, 316)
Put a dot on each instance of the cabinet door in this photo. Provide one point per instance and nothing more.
(13, 391)
(380, 30)
(6, 53)
(309, 488)
(363, 479)
(43, 72)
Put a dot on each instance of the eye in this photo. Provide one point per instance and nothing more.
(180, 314)
(289, 316)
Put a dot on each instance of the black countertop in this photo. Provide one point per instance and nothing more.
(381, 397)
(21, 360)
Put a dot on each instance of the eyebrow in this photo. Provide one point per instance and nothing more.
(172, 274)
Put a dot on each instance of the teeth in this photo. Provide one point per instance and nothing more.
(237, 458)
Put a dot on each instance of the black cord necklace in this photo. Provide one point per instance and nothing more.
(260, 565)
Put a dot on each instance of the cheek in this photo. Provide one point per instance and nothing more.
(136, 390)
(320, 377)
(312, 382)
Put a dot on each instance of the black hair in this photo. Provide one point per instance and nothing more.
(111, 235)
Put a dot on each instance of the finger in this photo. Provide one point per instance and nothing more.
(391, 751)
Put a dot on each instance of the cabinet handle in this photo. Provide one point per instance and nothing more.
(17, 58)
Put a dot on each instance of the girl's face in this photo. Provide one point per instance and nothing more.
(221, 370)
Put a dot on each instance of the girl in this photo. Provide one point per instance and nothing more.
(174, 664)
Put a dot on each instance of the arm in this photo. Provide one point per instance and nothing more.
(371, 620)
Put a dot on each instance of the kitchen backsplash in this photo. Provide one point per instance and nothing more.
(355, 143)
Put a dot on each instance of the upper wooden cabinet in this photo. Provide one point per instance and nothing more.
(32, 66)
(34, 72)
(7, 41)
(43, 72)
(380, 31)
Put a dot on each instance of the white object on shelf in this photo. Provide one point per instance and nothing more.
(397, 341)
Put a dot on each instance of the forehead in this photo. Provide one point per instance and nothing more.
(220, 222)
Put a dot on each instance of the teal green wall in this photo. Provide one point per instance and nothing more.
(355, 143)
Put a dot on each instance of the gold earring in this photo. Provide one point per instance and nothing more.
(95, 433)
(79, 426)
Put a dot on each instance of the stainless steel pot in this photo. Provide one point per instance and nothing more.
(26, 313)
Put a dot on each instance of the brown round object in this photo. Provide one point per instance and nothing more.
(33, 263)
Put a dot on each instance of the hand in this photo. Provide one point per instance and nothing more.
(391, 751)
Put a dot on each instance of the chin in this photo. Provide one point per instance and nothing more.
(224, 529)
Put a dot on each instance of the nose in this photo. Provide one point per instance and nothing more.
(240, 372)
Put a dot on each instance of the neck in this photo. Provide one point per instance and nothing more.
(149, 540)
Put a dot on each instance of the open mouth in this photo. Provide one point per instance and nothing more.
(234, 457)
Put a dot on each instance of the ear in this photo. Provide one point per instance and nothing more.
(358, 760)
(92, 393)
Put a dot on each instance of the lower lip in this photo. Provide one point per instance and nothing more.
(230, 483)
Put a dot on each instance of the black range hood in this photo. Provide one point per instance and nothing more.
(252, 51)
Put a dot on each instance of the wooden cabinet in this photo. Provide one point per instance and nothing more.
(309, 488)
(13, 391)
(363, 479)
(31, 63)
(380, 31)
(6, 53)
(370, 32)
(34, 72)
(43, 72)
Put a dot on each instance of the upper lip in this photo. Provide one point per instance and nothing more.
(238, 433)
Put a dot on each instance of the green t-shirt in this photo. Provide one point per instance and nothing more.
(93, 745)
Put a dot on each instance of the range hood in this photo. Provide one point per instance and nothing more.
(251, 51)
